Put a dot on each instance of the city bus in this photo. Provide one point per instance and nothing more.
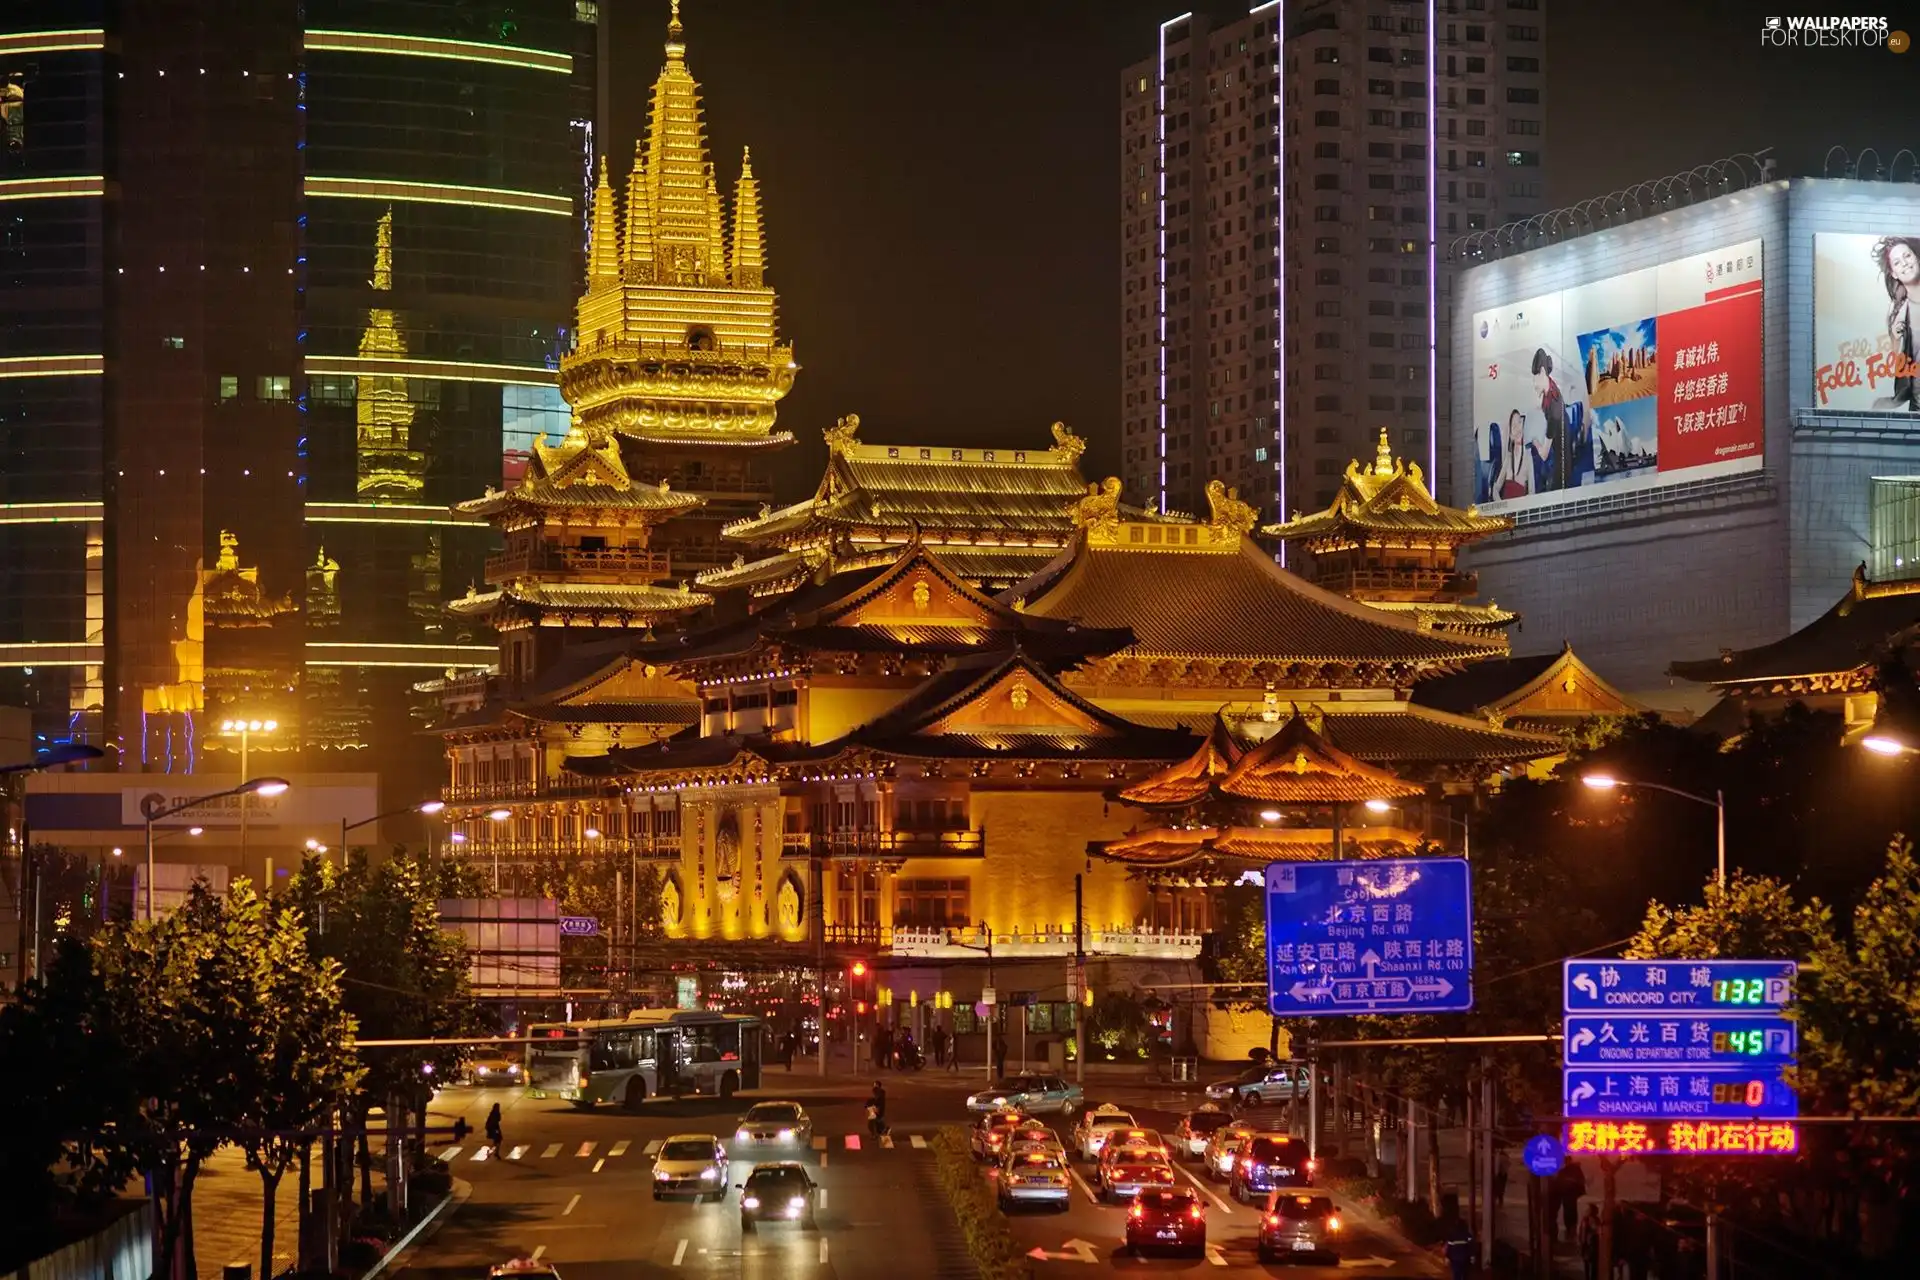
(647, 1054)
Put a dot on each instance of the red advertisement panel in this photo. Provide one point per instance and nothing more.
(1711, 398)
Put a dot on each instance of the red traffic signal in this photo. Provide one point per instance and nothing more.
(858, 969)
(860, 1006)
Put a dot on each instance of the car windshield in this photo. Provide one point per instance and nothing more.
(1207, 1121)
(774, 1181)
(1278, 1148)
(1019, 1084)
(1304, 1207)
(1113, 1122)
(774, 1113)
(1041, 1166)
(690, 1150)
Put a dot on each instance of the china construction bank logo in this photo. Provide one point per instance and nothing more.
(1832, 31)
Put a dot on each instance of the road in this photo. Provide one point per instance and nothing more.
(574, 1189)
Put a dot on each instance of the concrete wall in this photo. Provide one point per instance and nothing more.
(120, 1250)
(1683, 572)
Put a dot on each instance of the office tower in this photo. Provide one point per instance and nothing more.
(283, 281)
(1266, 351)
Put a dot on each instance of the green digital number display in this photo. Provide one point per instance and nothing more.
(1751, 1043)
(1740, 991)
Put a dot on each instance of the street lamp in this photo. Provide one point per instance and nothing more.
(246, 729)
(153, 812)
(1607, 782)
(425, 807)
(1465, 822)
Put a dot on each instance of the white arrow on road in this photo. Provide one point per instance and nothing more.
(1584, 982)
(1216, 1257)
(1581, 1092)
(1582, 1038)
(1375, 1261)
(1074, 1251)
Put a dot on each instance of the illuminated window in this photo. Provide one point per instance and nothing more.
(1894, 524)
(174, 343)
(274, 386)
(229, 387)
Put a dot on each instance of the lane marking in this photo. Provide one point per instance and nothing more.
(652, 1148)
(450, 1154)
(597, 1163)
(819, 1144)
(886, 1140)
(680, 1252)
(823, 1159)
(853, 1142)
(619, 1148)
(1206, 1190)
(537, 1252)
(1216, 1257)
(570, 1204)
(553, 1149)
(516, 1153)
(919, 1141)
(481, 1153)
(586, 1149)
(1082, 1184)
(823, 1251)
(823, 1198)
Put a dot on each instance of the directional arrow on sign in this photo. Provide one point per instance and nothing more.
(1582, 1038)
(1369, 959)
(1301, 991)
(1431, 987)
(1584, 982)
(1581, 1092)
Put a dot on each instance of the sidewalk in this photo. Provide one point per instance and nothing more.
(227, 1213)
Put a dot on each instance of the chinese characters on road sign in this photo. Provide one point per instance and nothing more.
(1373, 936)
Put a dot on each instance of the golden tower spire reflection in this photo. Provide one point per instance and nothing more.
(387, 466)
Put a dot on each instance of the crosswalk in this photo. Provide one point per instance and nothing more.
(523, 1153)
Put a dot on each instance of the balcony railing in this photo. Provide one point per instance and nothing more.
(1433, 580)
(627, 562)
(506, 792)
(957, 942)
(645, 848)
(883, 844)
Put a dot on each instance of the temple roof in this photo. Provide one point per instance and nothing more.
(1021, 496)
(1453, 614)
(1400, 738)
(1387, 501)
(591, 596)
(1296, 766)
(1222, 854)
(578, 473)
(1548, 689)
(1842, 640)
(1193, 590)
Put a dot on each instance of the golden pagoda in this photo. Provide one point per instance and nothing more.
(993, 516)
(677, 360)
(1387, 542)
(389, 467)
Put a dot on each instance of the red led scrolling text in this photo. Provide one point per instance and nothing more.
(1682, 1137)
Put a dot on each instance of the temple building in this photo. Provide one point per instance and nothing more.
(993, 516)
(1831, 664)
(1385, 541)
(1554, 693)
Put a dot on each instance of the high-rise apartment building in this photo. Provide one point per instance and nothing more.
(1290, 182)
(283, 280)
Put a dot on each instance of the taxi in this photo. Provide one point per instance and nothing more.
(523, 1269)
(1035, 1137)
(1196, 1128)
(1128, 1169)
(1223, 1148)
(1096, 1126)
(1035, 1177)
(993, 1131)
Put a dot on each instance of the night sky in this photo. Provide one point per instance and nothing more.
(938, 177)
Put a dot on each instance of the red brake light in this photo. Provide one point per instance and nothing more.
(1312, 1164)
(1194, 1213)
(1333, 1224)
(1273, 1219)
(1136, 1209)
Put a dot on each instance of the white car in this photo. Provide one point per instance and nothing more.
(1273, 1083)
(691, 1164)
(1034, 1177)
(774, 1126)
(1097, 1126)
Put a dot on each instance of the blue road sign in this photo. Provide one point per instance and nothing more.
(1679, 1093)
(1666, 986)
(579, 927)
(1699, 1040)
(1372, 936)
(1543, 1155)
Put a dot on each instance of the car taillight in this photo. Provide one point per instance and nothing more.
(1312, 1165)
(1194, 1213)
(1333, 1224)
(1246, 1162)
(1136, 1210)
(1273, 1219)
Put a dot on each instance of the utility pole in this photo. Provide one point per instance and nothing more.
(1609, 1168)
(1079, 983)
(820, 945)
(1487, 1105)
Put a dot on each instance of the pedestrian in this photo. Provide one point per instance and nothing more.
(877, 1110)
(937, 1040)
(493, 1129)
(1499, 1177)
(1000, 1055)
(1573, 1181)
(1459, 1240)
(786, 1051)
(953, 1055)
(1590, 1243)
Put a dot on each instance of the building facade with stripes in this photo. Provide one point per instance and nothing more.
(284, 281)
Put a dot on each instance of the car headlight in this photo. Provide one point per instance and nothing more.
(661, 1175)
(798, 1202)
(999, 1102)
(786, 1135)
(708, 1175)
(749, 1202)
(740, 1134)
(513, 1071)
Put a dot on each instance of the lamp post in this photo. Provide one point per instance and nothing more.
(428, 807)
(153, 813)
(497, 815)
(51, 757)
(1607, 782)
(1465, 823)
(246, 729)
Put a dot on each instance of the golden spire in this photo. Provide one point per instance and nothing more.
(383, 252)
(603, 245)
(677, 171)
(639, 224)
(715, 259)
(1383, 456)
(749, 241)
(674, 29)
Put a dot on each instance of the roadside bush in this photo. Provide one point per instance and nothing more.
(981, 1222)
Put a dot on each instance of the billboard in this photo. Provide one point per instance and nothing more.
(1866, 287)
(1635, 381)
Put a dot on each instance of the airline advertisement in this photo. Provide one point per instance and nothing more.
(1866, 289)
(1640, 380)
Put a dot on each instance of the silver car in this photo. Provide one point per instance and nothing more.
(1033, 1094)
(774, 1126)
(690, 1164)
(1255, 1085)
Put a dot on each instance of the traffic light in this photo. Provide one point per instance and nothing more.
(859, 969)
(860, 1007)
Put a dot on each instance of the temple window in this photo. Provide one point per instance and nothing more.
(931, 903)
